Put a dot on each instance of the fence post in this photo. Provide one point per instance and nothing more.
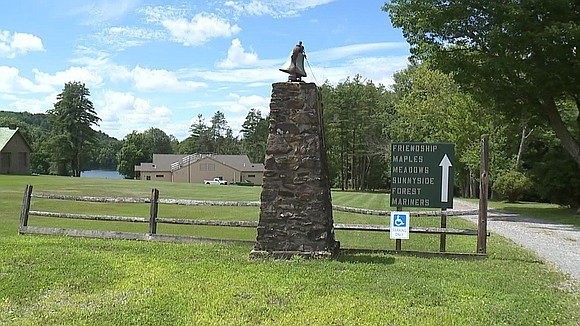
(483, 188)
(443, 236)
(25, 207)
(153, 211)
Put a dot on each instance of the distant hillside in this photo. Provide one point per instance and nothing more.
(37, 130)
(33, 119)
(34, 124)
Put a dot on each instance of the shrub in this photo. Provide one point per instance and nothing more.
(556, 179)
(511, 185)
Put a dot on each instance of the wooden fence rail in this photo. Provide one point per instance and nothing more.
(248, 224)
(153, 220)
(190, 202)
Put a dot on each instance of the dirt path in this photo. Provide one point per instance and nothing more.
(557, 244)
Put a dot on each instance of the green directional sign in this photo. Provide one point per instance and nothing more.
(422, 175)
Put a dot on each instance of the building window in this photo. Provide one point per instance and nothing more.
(148, 177)
(159, 176)
(251, 175)
(207, 166)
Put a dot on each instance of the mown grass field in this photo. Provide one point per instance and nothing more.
(61, 280)
(544, 211)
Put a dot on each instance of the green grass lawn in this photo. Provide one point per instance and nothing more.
(49, 280)
(545, 211)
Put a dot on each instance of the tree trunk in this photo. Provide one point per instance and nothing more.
(465, 187)
(525, 135)
(342, 170)
(352, 162)
(473, 185)
(568, 142)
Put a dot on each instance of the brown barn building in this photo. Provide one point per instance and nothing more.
(195, 168)
(14, 152)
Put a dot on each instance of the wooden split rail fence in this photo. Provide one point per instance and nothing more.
(153, 220)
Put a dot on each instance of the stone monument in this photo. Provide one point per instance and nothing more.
(296, 208)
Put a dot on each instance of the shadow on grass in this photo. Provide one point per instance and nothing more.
(519, 214)
(528, 260)
(532, 212)
(348, 256)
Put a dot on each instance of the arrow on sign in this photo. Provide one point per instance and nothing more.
(445, 165)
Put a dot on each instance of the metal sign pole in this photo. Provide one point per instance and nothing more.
(398, 242)
(443, 238)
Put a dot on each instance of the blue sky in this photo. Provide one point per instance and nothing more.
(161, 63)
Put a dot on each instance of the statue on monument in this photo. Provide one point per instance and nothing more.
(295, 68)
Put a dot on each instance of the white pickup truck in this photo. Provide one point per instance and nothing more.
(215, 181)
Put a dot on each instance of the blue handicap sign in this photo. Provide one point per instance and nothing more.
(400, 220)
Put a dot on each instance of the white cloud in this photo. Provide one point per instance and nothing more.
(12, 44)
(99, 63)
(274, 8)
(97, 67)
(324, 65)
(252, 8)
(237, 103)
(101, 11)
(237, 56)
(89, 57)
(253, 101)
(190, 32)
(378, 69)
(233, 103)
(161, 80)
(82, 74)
(121, 113)
(12, 83)
(199, 29)
(242, 75)
(122, 37)
(29, 104)
(355, 49)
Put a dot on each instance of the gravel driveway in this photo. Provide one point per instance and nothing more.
(557, 244)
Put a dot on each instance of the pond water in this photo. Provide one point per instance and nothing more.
(101, 174)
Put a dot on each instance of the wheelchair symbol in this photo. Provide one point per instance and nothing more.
(400, 220)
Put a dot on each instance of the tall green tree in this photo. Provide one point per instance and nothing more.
(174, 144)
(553, 173)
(216, 138)
(186, 146)
(218, 127)
(139, 147)
(519, 55)
(104, 155)
(156, 141)
(222, 135)
(255, 136)
(201, 136)
(72, 119)
(431, 107)
(356, 112)
(230, 145)
(133, 152)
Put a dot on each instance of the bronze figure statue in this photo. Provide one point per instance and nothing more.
(295, 68)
